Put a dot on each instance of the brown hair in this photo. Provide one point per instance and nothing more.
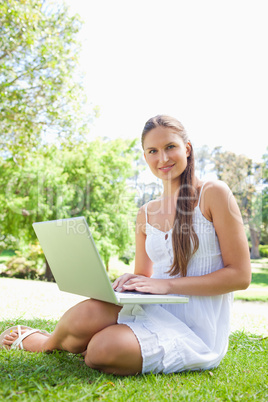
(184, 239)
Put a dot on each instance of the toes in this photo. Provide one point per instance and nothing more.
(7, 342)
(11, 337)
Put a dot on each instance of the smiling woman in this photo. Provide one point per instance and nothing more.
(165, 157)
(169, 154)
(203, 254)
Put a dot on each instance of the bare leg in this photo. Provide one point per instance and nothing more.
(115, 350)
(91, 328)
(74, 330)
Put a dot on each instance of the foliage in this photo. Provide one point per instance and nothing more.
(7, 241)
(25, 192)
(263, 250)
(149, 191)
(26, 264)
(40, 88)
(89, 180)
(113, 275)
(244, 178)
(265, 198)
(241, 376)
(128, 255)
(202, 160)
(248, 181)
(6, 255)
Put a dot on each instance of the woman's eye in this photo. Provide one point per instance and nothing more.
(152, 151)
(171, 146)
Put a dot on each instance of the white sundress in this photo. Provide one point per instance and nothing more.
(186, 336)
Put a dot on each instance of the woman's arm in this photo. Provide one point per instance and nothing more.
(143, 264)
(221, 207)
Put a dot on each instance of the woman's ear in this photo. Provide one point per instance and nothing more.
(188, 149)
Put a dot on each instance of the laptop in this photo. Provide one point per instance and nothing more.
(77, 266)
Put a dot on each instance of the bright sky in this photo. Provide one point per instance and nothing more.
(204, 62)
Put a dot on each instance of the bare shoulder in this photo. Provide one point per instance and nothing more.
(218, 199)
(150, 207)
(154, 205)
(215, 190)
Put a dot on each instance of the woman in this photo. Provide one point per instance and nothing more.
(190, 241)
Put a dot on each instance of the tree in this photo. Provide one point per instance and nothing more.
(55, 183)
(243, 177)
(202, 160)
(40, 89)
(265, 198)
(103, 168)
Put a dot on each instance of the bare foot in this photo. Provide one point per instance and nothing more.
(32, 343)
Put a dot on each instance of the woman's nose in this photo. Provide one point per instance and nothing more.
(163, 157)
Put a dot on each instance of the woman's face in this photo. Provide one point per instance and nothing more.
(166, 153)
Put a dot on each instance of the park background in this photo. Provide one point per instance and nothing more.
(74, 99)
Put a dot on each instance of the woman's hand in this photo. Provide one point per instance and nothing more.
(121, 281)
(141, 284)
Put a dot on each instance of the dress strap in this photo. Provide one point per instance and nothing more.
(145, 210)
(199, 199)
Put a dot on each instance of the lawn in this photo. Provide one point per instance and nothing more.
(242, 376)
(258, 289)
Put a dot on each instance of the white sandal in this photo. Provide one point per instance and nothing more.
(17, 344)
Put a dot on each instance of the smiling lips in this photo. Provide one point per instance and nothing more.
(166, 168)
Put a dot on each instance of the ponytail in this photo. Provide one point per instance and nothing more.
(184, 239)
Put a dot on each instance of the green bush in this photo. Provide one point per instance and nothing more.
(113, 274)
(26, 264)
(263, 251)
(128, 256)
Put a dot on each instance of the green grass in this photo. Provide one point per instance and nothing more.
(251, 295)
(260, 277)
(60, 376)
(261, 261)
(241, 376)
(258, 289)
